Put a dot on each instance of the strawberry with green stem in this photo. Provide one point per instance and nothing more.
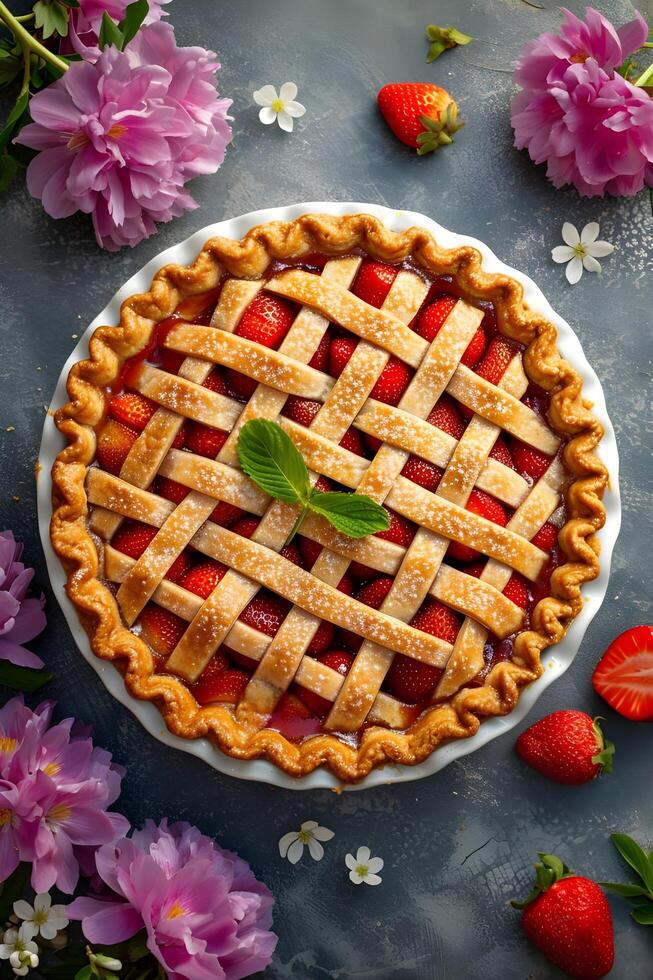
(420, 114)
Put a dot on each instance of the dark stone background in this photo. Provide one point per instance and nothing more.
(459, 845)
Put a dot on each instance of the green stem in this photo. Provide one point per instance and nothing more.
(26, 68)
(296, 526)
(25, 17)
(27, 41)
(645, 79)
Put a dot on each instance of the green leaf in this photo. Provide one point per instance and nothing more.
(444, 38)
(13, 119)
(352, 514)
(135, 14)
(110, 33)
(625, 891)
(637, 858)
(11, 65)
(12, 889)
(435, 51)
(70, 3)
(605, 749)
(22, 678)
(270, 458)
(643, 915)
(85, 973)
(9, 167)
(51, 18)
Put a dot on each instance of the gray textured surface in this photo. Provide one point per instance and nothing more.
(458, 846)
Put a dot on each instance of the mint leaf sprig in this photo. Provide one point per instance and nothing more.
(640, 896)
(270, 458)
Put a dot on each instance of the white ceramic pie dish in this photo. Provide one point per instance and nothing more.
(558, 659)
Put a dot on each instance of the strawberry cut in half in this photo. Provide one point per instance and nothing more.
(624, 674)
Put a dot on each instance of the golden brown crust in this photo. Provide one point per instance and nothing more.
(249, 258)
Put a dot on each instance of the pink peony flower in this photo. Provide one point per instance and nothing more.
(84, 24)
(593, 128)
(118, 139)
(21, 619)
(205, 914)
(55, 788)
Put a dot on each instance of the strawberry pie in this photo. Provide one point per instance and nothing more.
(403, 378)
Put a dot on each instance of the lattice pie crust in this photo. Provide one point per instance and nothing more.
(388, 730)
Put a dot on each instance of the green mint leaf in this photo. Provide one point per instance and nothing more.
(13, 119)
(643, 915)
(625, 891)
(22, 678)
(352, 514)
(135, 14)
(51, 18)
(9, 167)
(270, 458)
(110, 33)
(637, 858)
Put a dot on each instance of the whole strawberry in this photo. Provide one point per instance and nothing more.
(420, 114)
(567, 746)
(568, 918)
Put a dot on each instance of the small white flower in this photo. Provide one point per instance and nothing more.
(310, 834)
(21, 952)
(44, 918)
(281, 107)
(581, 251)
(364, 867)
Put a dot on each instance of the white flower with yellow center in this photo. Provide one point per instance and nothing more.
(581, 251)
(363, 867)
(309, 835)
(42, 918)
(281, 106)
(21, 952)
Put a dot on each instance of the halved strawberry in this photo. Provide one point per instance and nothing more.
(422, 472)
(339, 353)
(225, 686)
(624, 674)
(113, 444)
(392, 383)
(266, 320)
(484, 505)
(132, 538)
(444, 415)
(373, 282)
(529, 461)
(161, 628)
(401, 530)
(320, 359)
(203, 578)
(245, 526)
(131, 409)
(546, 538)
(501, 452)
(225, 514)
(171, 490)
(301, 410)
(203, 440)
(340, 660)
(265, 613)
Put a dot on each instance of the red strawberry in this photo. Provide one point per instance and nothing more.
(290, 707)
(339, 660)
(345, 585)
(293, 554)
(568, 918)
(422, 472)
(529, 461)
(501, 452)
(497, 358)
(245, 526)
(489, 321)
(131, 409)
(171, 490)
(341, 350)
(566, 746)
(113, 444)
(412, 680)
(204, 440)
(475, 349)
(373, 593)
(266, 320)
(239, 385)
(171, 360)
(310, 551)
(215, 382)
(546, 538)
(265, 613)
(420, 114)
(392, 383)
(373, 282)
(301, 410)
(203, 578)
(431, 318)
(485, 506)
(161, 628)
(225, 686)
(446, 416)
(225, 514)
(320, 358)
(437, 619)
(198, 306)
(322, 640)
(517, 591)
(624, 674)
(132, 538)
(401, 531)
(353, 442)
(238, 658)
